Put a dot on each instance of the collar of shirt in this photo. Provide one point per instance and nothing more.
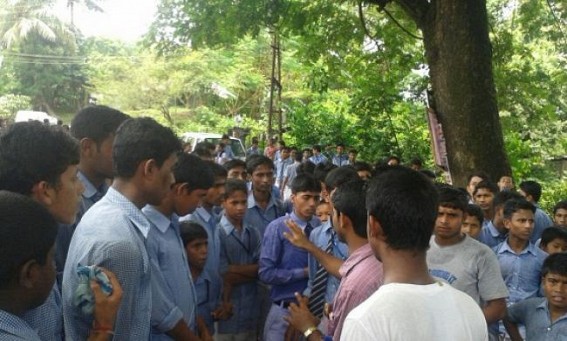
(157, 218)
(14, 325)
(203, 213)
(492, 229)
(314, 221)
(90, 189)
(545, 306)
(227, 226)
(252, 201)
(132, 212)
(356, 257)
(505, 247)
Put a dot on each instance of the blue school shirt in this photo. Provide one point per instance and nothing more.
(112, 234)
(259, 218)
(534, 314)
(209, 221)
(282, 264)
(173, 293)
(521, 272)
(490, 236)
(47, 319)
(208, 293)
(541, 222)
(90, 196)
(13, 328)
(239, 249)
(320, 237)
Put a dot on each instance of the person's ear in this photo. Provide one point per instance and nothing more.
(88, 147)
(507, 223)
(43, 192)
(27, 277)
(150, 167)
(375, 229)
(180, 189)
(344, 222)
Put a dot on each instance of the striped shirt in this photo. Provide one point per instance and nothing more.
(362, 274)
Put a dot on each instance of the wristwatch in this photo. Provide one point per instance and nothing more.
(309, 331)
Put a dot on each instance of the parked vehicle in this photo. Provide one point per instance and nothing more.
(29, 115)
(195, 137)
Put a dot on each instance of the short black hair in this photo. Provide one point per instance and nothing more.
(190, 231)
(514, 205)
(361, 166)
(349, 199)
(560, 205)
(193, 171)
(393, 157)
(96, 122)
(317, 148)
(306, 167)
(473, 210)
(305, 183)
(501, 197)
(31, 152)
(405, 203)
(452, 198)
(338, 176)
(27, 232)
(340, 145)
(140, 139)
(298, 157)
(322, 169)
(551, 233)
(217, 170)
(234, 185)
(230, 164)
(204, 149)
(352, 150)
(225, 137)
(532, 188)
(486, 184)
(555, 264)
(416, 161)
(481, 174)
(256, 161)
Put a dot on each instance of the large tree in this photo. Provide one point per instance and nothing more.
(454, 35)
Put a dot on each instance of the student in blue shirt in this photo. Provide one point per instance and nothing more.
(114, 231)
(27, 270)
(195, 241)
(94, 128)
(240, 250)
(494, 232)
(531, 190)
(174, 301)
(236, 169)
(282, 265)
(520, 260)
(263, 206)
(42, 163)
(545, 318)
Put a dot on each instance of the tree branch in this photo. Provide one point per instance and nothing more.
(416, 9)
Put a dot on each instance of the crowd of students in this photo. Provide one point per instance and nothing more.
(111, 232)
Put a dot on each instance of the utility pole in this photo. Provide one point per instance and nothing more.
(275, 112)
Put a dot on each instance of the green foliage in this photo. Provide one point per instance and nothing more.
(553, 191)
(10, 104)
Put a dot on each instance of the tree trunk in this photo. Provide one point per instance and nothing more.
(459, 55)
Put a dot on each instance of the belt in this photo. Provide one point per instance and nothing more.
(283, 304)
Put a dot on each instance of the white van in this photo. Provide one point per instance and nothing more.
(29, 115)
(194, 137)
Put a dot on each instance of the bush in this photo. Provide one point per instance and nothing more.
(10, 104)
